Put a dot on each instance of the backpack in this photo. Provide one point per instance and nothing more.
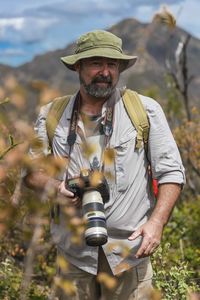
(133, 106)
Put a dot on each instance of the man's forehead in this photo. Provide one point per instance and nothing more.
(100, 59)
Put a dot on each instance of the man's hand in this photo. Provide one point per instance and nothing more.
(151, 232)
(69, 195)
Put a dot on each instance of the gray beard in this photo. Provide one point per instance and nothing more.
(98, 92)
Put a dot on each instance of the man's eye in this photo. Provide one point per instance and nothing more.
(96, 63)
(113, 64)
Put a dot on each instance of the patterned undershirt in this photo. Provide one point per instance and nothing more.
(94, 137)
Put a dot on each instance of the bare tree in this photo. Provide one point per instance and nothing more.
(179, 73)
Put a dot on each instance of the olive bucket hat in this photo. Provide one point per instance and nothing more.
(99, 43)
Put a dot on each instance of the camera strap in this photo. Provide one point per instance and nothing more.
(108, 122)
(107, 126)
(71, 139)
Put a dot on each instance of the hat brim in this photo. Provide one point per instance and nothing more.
(126, 60)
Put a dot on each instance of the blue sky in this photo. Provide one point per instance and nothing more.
(28, 28)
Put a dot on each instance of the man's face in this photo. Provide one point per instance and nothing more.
(98, 76)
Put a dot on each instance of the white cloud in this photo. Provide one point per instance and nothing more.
(19, 30)
(16, 23)
(10, 26)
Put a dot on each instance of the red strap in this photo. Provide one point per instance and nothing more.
(155, 187)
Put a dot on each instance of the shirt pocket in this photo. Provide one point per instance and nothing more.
(124, 149)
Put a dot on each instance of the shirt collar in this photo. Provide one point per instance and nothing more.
(115, 95)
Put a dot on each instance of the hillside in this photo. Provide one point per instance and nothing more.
(152, 43)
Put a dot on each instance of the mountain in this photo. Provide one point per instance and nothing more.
(152, 43)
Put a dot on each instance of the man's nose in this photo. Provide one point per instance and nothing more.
(105, 71)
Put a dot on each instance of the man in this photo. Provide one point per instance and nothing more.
(133, 222)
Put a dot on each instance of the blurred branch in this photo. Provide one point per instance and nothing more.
(164, 16)
(5, 101)
(8, 149)
(180, 74)
(37, 234)
(175, 81)
(12, 146)
(15, 199)
(39, 221)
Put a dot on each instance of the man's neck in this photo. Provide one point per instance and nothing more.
(91, 105)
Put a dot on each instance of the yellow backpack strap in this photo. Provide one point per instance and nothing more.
(138, 116)
(56, 110)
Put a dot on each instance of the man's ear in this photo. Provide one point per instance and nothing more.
(77, 66)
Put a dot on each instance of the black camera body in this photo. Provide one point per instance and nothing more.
(80, 184)
(93, 198)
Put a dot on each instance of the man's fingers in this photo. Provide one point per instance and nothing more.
(62, 190)
(134, 235)
(141, 251)
(147, 248)
(76, 201)
(154, 247)
(71, 199)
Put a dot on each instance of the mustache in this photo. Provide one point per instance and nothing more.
(103, 79)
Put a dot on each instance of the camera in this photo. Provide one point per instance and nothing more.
(93, 197)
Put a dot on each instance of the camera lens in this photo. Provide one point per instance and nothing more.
(93, 211)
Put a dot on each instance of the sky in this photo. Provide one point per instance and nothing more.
(29, 28)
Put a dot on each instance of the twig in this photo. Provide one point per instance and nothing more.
(8, 149)
(15, 198)
(4, 101)
(33, 248)
(37, 234)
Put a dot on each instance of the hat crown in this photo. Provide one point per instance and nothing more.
(98, 39)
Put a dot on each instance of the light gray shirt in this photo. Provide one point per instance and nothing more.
(131, 200)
